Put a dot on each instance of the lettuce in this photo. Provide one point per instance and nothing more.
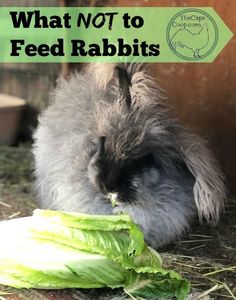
(69, 250)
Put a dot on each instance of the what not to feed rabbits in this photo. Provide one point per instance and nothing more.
(110, 133)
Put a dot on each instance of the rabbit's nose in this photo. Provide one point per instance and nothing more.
(113, 198)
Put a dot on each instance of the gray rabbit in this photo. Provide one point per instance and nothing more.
(109, 133)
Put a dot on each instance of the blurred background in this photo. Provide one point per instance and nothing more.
(204, 98)
(203, 95)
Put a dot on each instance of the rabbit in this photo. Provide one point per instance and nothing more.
(110, 134)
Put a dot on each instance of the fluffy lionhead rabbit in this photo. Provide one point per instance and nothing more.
(109, 133)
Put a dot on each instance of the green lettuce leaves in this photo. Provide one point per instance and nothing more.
(59, 250)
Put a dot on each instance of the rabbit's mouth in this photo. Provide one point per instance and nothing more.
(113, 197)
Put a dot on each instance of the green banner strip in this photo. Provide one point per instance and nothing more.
(85, 34)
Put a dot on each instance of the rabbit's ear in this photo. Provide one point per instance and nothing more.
(124, 82)
(102, 73)
(209, 189)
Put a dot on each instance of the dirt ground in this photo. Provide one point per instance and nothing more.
(206, 256)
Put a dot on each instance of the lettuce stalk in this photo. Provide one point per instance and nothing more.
(59, 250)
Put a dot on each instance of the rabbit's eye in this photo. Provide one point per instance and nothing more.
(92, 149)
(144, 162)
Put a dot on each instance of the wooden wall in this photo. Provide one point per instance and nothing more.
(30, 81)
(204, 95)
(34, 82)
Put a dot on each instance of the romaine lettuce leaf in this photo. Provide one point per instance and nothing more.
(69, 250)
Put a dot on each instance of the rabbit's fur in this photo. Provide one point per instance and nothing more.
(110, 130)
